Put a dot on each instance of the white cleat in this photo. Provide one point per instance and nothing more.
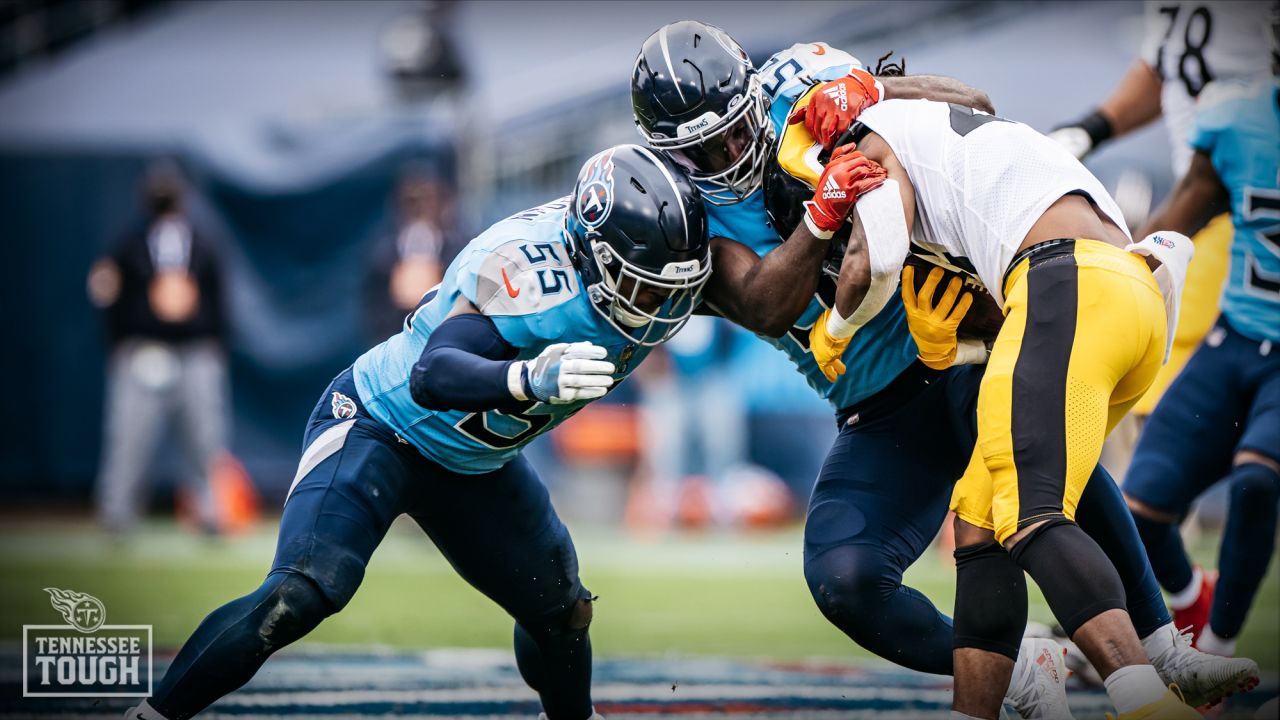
(1038, 688)
(594, 716)
(1204, 679)
(1077, 663)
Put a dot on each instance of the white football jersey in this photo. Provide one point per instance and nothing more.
(981, 181)
(1190, 44)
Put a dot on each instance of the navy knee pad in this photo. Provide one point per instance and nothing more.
(1254, 485)
(851, 583)
(991, 600)
(859, 589)
(1077, 579)
(291, 609)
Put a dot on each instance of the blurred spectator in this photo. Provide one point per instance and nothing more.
(160, 288)
(410, 260)
(694, 431)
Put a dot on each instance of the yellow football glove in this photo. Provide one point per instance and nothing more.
(934, 328)
(827, 349)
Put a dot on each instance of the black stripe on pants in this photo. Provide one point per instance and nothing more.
(1039, 394)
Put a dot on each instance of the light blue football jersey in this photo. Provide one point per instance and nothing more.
(518, 274)
(1238, 126)
(883, 348)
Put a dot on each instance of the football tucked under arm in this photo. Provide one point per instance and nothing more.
(984, 318)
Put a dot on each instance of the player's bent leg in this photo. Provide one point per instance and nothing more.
(859, 589)
(1203, 679)
(1077, 579)
(230, 645)
(540, 644)
(1168, 473)
(877, 505)
(1103, 515)
(346, 494)
(1248, 542)
(502, 535)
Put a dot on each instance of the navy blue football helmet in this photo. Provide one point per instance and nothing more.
(638, 234)
(697, 97)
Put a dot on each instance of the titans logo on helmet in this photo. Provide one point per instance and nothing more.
(595, 193)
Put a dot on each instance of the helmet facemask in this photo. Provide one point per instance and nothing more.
(622, 284)
(726, 156)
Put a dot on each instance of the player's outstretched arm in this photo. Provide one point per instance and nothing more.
(1134, 103)
(935, 87)
(765, 295)
(1198, 196)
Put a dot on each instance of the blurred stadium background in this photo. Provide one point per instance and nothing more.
(314, 140)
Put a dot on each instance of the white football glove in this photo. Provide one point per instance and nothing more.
(563, 373)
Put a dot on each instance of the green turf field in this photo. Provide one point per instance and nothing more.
(690, 595)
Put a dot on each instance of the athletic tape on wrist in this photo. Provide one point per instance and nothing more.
(515, 380)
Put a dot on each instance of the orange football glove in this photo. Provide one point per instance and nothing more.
(834, 105)
(847, 175)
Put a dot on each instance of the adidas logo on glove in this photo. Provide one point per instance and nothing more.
(831, 190)
(839, 95)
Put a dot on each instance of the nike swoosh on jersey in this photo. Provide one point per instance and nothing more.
(819, 50)
(512, 291)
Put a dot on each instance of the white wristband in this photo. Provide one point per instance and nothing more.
(515, 380)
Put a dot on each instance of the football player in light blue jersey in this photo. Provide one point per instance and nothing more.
(1228, 396)
(538, 316)
(881, 497)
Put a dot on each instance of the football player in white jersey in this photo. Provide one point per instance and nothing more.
(1025, 219)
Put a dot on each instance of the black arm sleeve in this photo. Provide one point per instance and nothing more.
(464, 367)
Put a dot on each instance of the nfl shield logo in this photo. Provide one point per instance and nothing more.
(343, 407)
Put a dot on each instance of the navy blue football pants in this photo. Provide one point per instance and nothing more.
(1227, 399)
(498, 530)
(882, 496)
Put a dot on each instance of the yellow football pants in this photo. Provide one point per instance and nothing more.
(1083, 337)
